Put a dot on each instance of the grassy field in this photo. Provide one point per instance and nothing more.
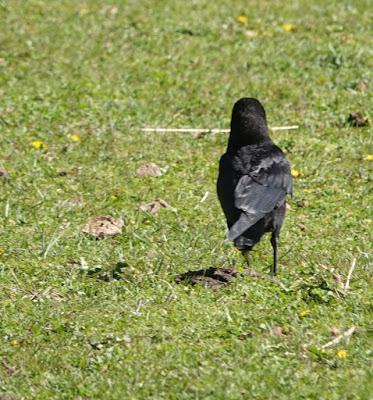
(77, 81)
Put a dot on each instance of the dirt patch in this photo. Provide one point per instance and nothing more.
(214, 278)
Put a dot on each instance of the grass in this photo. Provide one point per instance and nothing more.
(69, 327)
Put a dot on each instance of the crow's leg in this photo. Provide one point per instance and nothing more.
(249, 271)
(245, 254)
(274, 242)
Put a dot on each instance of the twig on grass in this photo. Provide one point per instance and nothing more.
(212, 130)
(337, 339)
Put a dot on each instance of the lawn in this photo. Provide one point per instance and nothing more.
(104, 319)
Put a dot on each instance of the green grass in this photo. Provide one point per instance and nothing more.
(68, 66)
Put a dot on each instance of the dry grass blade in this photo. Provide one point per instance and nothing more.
(212, 130)
(337, 339)
(347, 284)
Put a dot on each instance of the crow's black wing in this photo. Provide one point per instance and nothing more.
(260, 191)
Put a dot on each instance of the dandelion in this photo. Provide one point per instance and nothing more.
(74, 137)
(242, 19)
(288, 27)
(368, 157)
(295, 173)
(38, 144)
(304, 313)
(342, 354)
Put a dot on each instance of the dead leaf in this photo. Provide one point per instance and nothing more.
(358, 120)
(302, 227)
(150, 169)
(277, 331)
(245, 336)
(100, 227)
(198, 135)
(338, 280)
(302, 203)
(335, 331)
(111, 11)
(72, 171)
(9, 369)
(251, 33)
(361, 86)
(4, 174)
(155, 206)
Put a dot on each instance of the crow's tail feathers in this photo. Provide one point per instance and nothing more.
(244, 244)
(242, 225)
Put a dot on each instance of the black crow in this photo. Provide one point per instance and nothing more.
(254, 179)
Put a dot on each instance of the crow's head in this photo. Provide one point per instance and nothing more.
(249, 123)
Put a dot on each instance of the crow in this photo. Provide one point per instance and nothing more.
(254, 179)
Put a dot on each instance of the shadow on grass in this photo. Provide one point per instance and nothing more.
(115, 274)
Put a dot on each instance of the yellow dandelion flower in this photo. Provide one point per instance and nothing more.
(288, 27)
(304, 313)
(342, 354)
(38, 144)
(242, 19)
(368, 157)
(74, 137)
(295, 173)
(2, 251)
